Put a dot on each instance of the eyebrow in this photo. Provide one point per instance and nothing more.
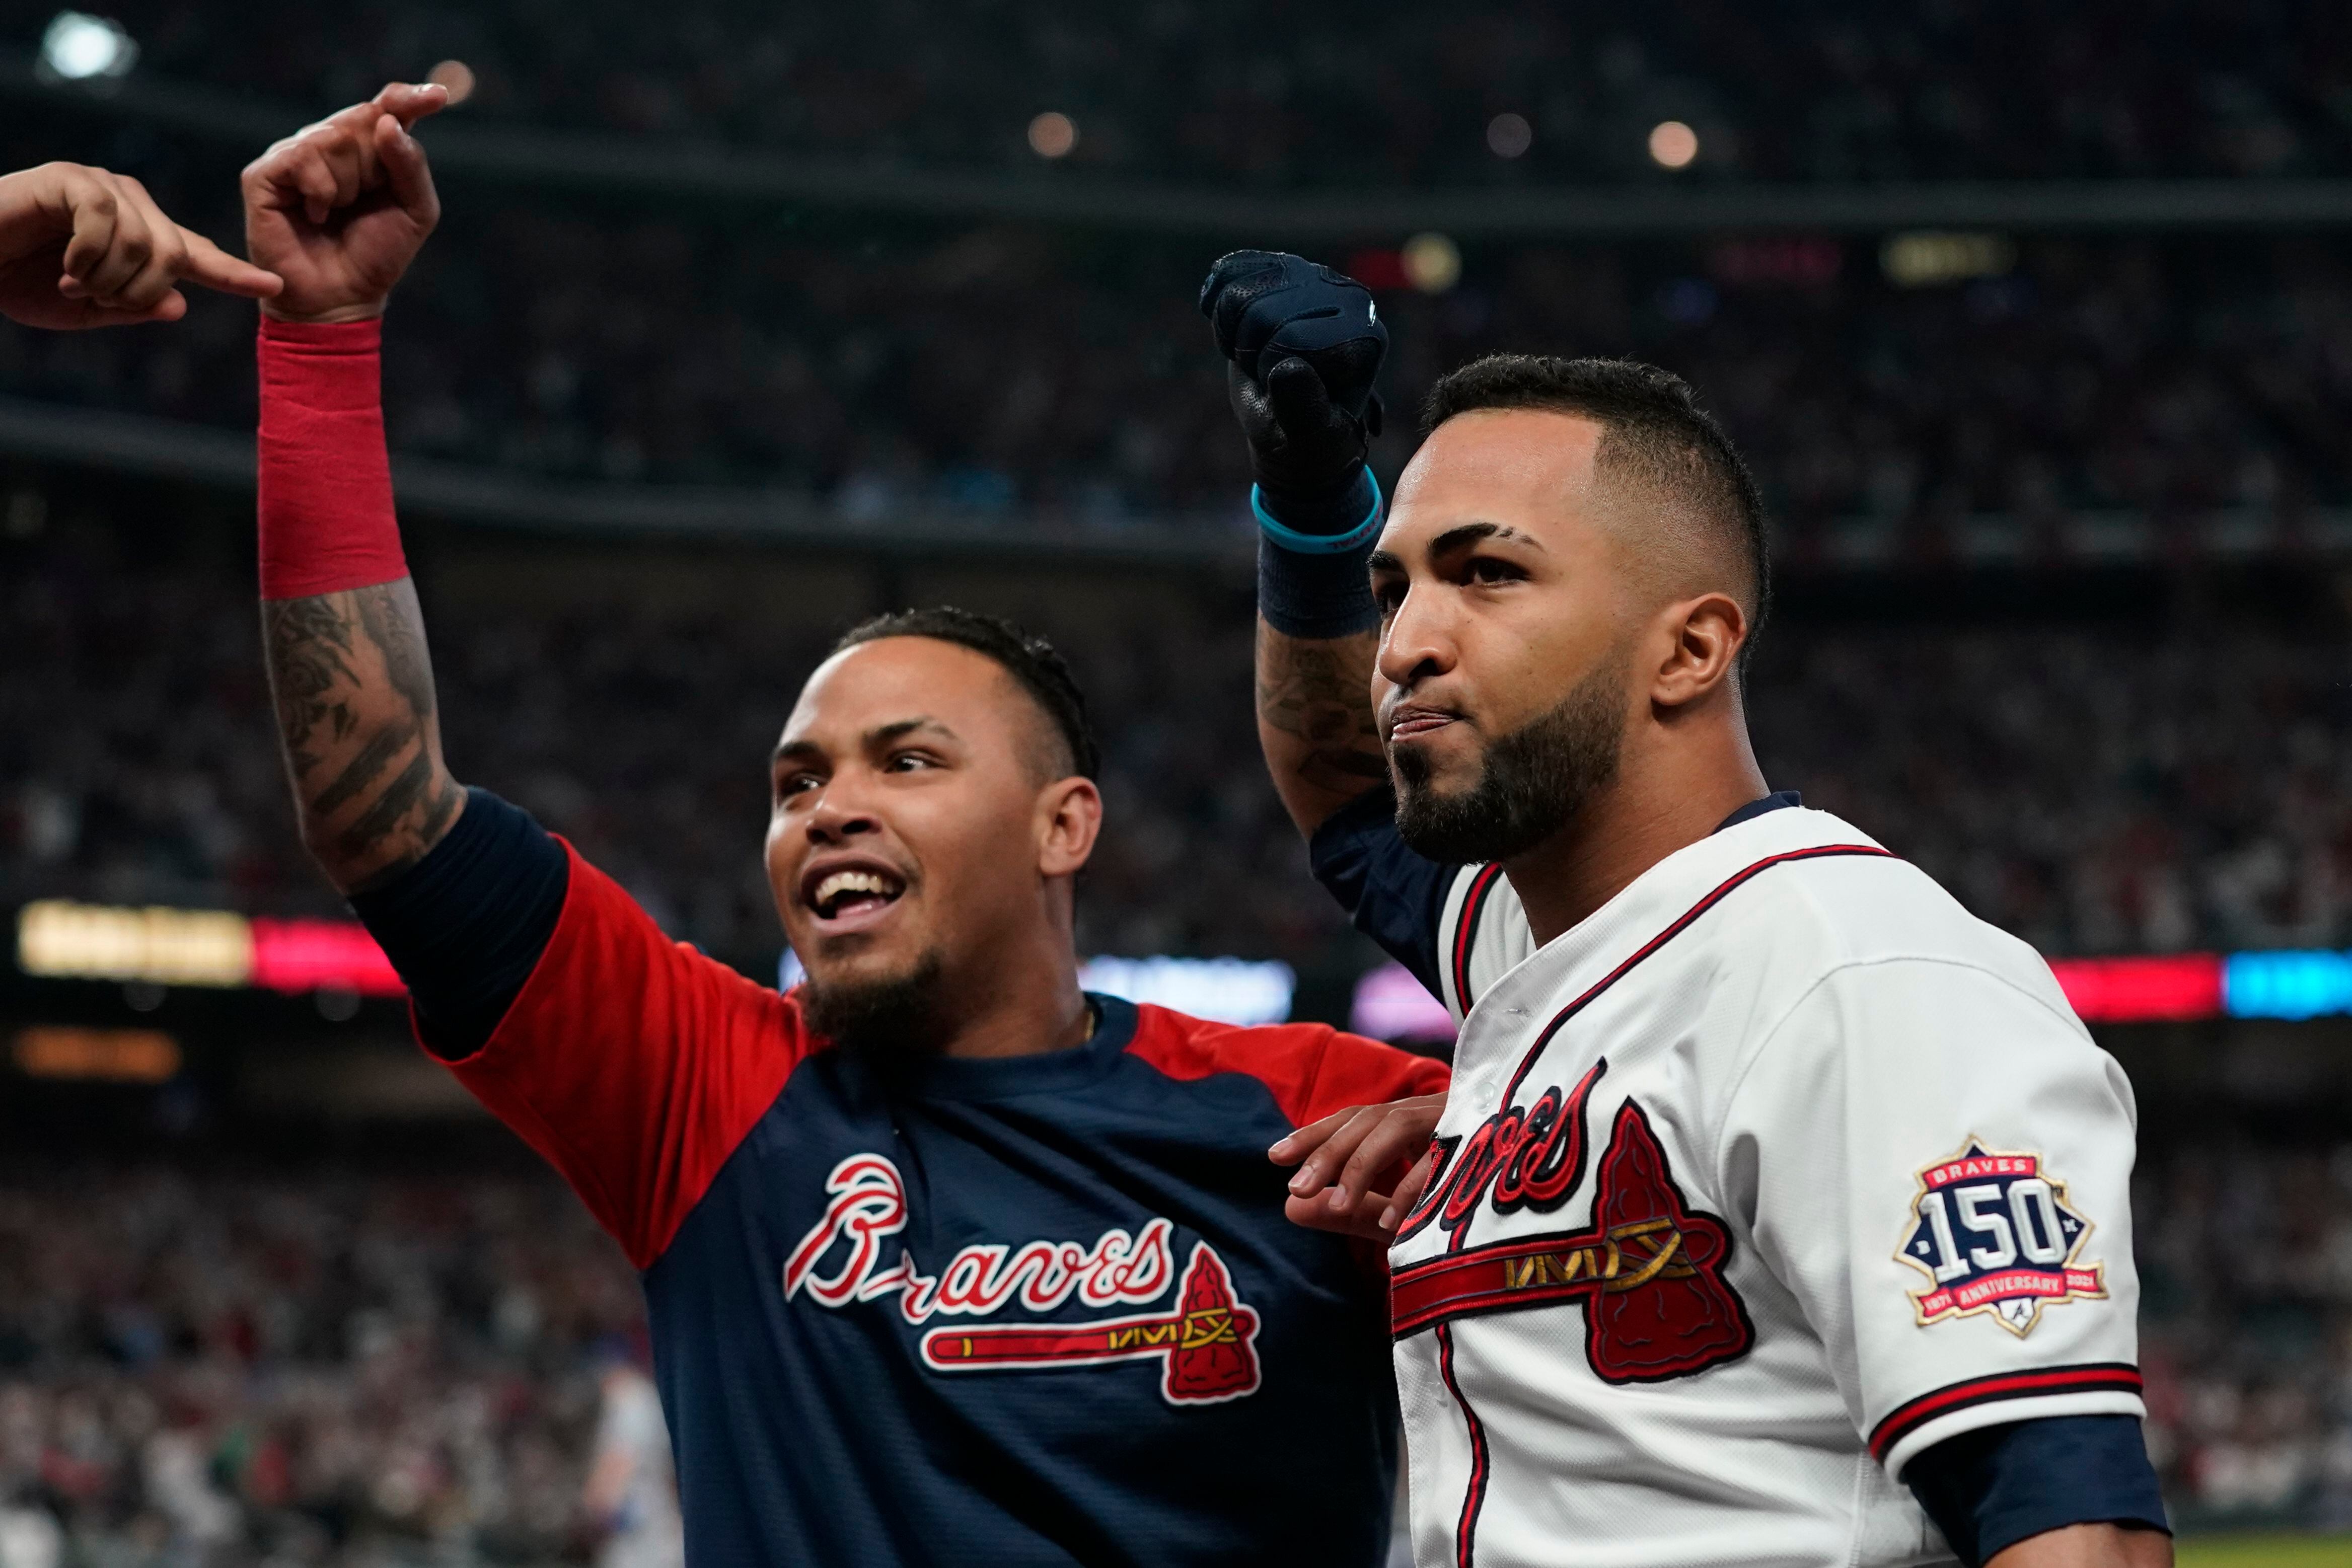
(1454, 539)
(1463, 534)
(880, 735)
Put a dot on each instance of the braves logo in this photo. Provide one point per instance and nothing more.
(1532, 1157)
(1208, 1344)
(1994, 1233)
(1649, 1270)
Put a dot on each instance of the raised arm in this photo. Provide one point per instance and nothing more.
(338, 211)
(1315, 721)
(1303, 344)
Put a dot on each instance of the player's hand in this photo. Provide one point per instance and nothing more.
(83, 247)
(339, 209)
(1341, 1156)
(1304, 343)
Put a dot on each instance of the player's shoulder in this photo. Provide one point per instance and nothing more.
(1836, 898)
(1310, 1067)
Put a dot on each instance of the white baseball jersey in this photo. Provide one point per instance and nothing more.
(1775, 1171)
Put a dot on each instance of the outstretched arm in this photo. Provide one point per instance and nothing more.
(339, 211)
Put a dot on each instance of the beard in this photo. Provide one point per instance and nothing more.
(1530, 782)
(887, 1020)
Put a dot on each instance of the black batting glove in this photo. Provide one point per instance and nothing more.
(1304, 343)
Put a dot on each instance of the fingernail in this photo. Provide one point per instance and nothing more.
(1302, 1183)
(1388, 1218)
(1338, 1199)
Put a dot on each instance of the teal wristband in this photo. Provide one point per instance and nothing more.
(1290, 539)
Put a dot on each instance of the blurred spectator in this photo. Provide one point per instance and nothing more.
(2246, 1262)
(632, 1492)
(1218, 91)
(305, 1367)
(995, 376)
(2092, 790)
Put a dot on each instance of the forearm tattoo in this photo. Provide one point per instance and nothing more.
(1321, 693)
(353, 689)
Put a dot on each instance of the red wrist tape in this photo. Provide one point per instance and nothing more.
(327, 520)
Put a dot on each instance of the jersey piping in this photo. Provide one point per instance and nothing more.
(2090, 1377)
(1465, 934)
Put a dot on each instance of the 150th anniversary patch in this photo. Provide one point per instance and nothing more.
(1994, 1233)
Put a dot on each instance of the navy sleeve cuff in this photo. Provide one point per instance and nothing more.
(1990, 1489)
(1396, 897)
(1325, 594)
(466, 926)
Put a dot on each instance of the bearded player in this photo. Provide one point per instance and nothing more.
(946, 1260)
(1779, 1206)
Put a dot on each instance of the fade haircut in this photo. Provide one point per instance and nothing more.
(1653, 432)
(1031, 662)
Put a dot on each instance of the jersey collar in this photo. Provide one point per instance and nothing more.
(1002, 1078)
(1780, 800)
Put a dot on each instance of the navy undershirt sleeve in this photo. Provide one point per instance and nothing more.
(466, 926)
(1990, 1489)
(1396, 897)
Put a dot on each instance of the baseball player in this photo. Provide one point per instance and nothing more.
(1779, 1210)
(945, 1259)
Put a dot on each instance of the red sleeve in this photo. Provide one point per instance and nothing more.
(635, 1064)
(1311, 1069)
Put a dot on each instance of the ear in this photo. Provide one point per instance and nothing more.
(1703, 655)
(1069, 818)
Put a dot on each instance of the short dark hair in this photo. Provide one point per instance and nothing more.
(1029, 659)
(1651, 422)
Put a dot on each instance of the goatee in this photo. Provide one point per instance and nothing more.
(1532, 782)
(892, 1020)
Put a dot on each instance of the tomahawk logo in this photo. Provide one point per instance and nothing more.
(1208, 1344)
(1649, 1271)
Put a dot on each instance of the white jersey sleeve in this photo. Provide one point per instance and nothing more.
(1937, 1162)
(1482, 936)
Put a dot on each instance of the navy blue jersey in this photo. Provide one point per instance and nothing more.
(1041, 1310)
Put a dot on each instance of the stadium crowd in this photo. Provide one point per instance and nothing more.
(1000, 377)
(2093, 789)
(342, 1366)
(1208, 91)
(209, 1370)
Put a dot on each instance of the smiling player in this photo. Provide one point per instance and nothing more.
(946, 1260)
(1771, 1183)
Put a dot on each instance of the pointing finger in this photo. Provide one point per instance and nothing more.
(205, 262)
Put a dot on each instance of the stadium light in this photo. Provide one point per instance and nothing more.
(456, 75)
(1053, 134)
(1433, 263)
(80, 47)
(1510, 135)
(106, 1055)
(1673, 144)
(1926, 257)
